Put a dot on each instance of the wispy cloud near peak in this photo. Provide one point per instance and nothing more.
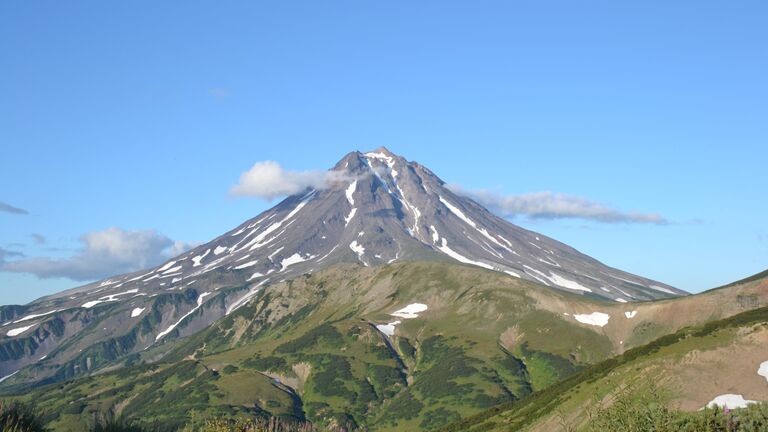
(552, 205)
(268, 180)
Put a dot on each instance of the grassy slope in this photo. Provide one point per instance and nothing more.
(727, 352)
(486, 338)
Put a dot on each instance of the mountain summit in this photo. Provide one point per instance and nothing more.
(377, 209)
(381, 208)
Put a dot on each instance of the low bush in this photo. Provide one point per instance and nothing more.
(15, 417)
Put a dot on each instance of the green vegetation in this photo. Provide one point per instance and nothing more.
(493, 350)
(640, 409)
(516, 415)
(15, 417)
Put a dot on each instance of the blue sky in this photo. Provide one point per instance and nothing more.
(138, 116)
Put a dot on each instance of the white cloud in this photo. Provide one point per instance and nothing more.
(268, 180)
(551, 205)
(103, 253)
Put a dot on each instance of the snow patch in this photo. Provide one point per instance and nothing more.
(350, 191)
(246, 265)
(458, 213)
(171, 270)
(381, 156)
(388, 329)
(219, 250)
(29, 317)
(330, 252)
(359, 250)
(511, 273)
(272, 255)
(165, 267)
(136, 312)
(595, 318)
(461, 258)
(435, 235)
(108, 298)
(18, 331)
(763, 370)
(244, 299)
(620, 300)
(8, 376)
(410, 311)
(91, 303)
(731, 401)
(173, 326)
(662, 289)
(293, 259)
(631, 314)
(350, 216)
(254, 276)
(567, 283)
(197, 260)
(258, 242)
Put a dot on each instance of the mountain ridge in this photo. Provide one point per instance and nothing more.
(377, 209)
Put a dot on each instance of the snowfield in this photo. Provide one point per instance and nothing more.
(293, 259)
(388, 329)
(8, 376)
(359, 250)
(29, 317)
(595, 318)
(197, 261)
(350, 192)
(461, 258)
(246, 265)
(410, 311)
(731, 401)
(18, 331)
(763, 370)
(567, 283)
(173, 326)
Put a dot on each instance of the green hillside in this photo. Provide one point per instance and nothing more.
(738, 340)
(308, 349)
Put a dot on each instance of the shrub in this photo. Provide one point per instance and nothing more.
(16, 417)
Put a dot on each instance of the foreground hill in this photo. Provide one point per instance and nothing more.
(409, 346)
(722, 362)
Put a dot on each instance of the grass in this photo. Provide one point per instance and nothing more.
(517, 415)
(640, 408)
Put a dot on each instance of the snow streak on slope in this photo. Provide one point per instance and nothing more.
(173, 326)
